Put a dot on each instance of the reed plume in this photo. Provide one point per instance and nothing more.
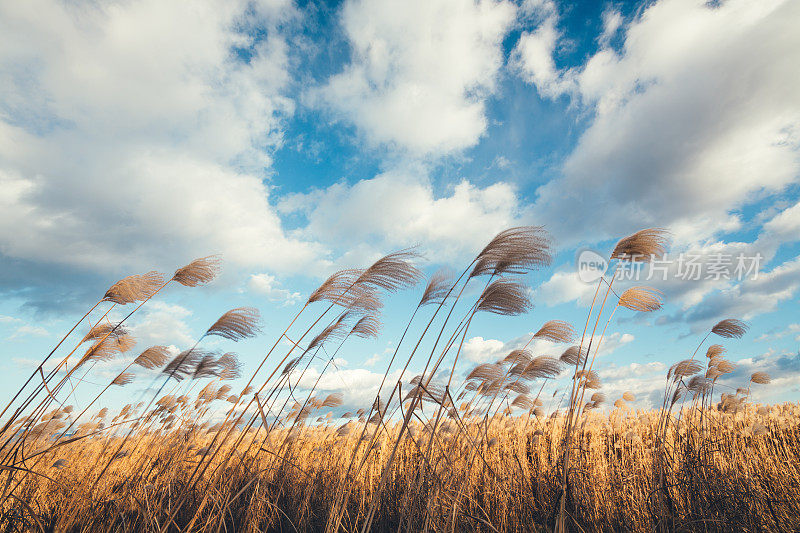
(730, 328)
(392, 272)
(153, 357)
(505, 297)
(514, 251)
(681, 369)
(134, 288)
(715, 350)
(556, 331)
(103, 329)
(437, 288)
(574, 356)
(183, 365)
(123, 379)
(643, 245)
(237, 324)
(762, 378)
(367, 327)
(198, 272)
(644, 299)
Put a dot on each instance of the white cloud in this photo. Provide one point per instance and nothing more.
(421, 71)
(268, 285)
(691, 120)
(784, 368)
(786, 224)
(480, 350)
(646, 381)
(358, 385)
(752, 296)
(372, 360)
(28, 330)
(612, 22)
(399, 208)
(791, 329)
(533, 53)
(21, 329)
(161, 323)
(614, 341)
(133, 133)
(565, 286)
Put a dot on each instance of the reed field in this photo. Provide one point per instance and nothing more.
(499, 448)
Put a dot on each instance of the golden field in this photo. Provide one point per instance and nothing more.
(493, 450)
(734, 480)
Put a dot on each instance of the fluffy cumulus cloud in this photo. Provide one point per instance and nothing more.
(480, 350)
(400, 208)
(421, 71)
(137, 133)
(707, 281)
(13, 328)
(270, 287)
(782, 367)
(694, 116)
(752, 296)
(533, 54)
(358, 386)
(160, 323)
(565, 286)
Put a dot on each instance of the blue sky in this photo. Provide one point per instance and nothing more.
(299, 138)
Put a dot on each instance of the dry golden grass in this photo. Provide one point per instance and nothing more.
(747, 479)
(480, 453)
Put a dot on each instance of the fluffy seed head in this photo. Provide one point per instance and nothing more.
(762, 378)
(229, 366)
(505, 297)
(134, 288)
(522, 401)
(699, 385)
(543, 366)
(730, 328)
(687, 367)
(725, 367)
(642, 246)
(98, 331)
(184, 364)
(198, 272)
(107, 348)
(367, 327)
(486, 372)
(571, 356)
(333, 400)
(715, 350)
(514, 251)
(206, 367)
(123, 379)
(437, 289)
(392, 272)
(628, 396)
(332, 331)
(598, 398)
(153, 357)
(641, 299)
(237, 324)
(555, 331)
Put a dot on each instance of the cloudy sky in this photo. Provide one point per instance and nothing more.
(296, 139)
